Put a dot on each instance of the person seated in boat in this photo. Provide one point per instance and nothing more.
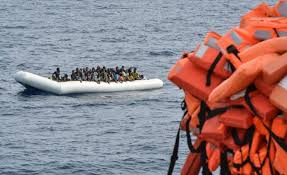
(112, 75)
(135, 74)
(115, 76)
(56, 75)
(117, 73)
(87, 75)
(121, 77)
(123, 69)
(104, 75)
(124, 74)
(98, 69)
(65, 78)
(130, 77)
(73, 76)
(96, 77)
(77, 72)
(81, 77)
(93, 69)
(117, 70)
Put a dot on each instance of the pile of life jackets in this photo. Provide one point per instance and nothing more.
(235, 105)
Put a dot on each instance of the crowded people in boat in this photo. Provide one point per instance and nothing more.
(100, 74)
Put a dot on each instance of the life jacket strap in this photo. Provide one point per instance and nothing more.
(211, 69)
(174, 155)
(232, 49)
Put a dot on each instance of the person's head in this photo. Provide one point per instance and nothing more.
(104, 68)
(117, 67)
(123, 67)
(58, 69)
(73, 71)
(135, 69)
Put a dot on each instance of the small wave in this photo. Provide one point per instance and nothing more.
(100, 31)
(89, 105)
(161, 53)
(114, 40)
(14, 27)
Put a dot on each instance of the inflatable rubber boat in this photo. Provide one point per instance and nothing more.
(30, 80)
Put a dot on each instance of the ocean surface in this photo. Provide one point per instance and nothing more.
(128, 133)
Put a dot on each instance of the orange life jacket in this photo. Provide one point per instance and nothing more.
(258, 123)
(279, 126)
(280, 160)
(209, 57)
(275, 45)
(192, 103)
(265, 109)
(239, 157)
(192, 78)
(213, 156)
(256, 141)
(262, 105)
(258, 158)
(192, 163)
(229, 142)
(275, 71)
(279, 95)
(193, 124)
(237, 118)
(213, 129)
(233, 42)
(262, 10)
(264, 28)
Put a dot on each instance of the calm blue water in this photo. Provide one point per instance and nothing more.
(119, 133)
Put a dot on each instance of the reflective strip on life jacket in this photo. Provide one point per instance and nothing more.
(212, 42)
(281, 8)
(201, 51)
(263, 34)
(236, 38)
(211, 39)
